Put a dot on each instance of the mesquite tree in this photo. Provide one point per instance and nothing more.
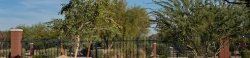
(101, 20)
(199, 25)
(81, 21)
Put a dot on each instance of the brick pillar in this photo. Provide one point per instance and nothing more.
(154, 51)
(224, 51)
(16, 45)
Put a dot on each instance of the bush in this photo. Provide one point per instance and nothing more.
(245, 53)
(38, 56)
(4, 52)
(47, 53)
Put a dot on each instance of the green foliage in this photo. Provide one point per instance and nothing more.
(136, 23)
(104, 19)
(200, 25)
(97, 20)
(48, 52)
(4, 52)
(245, 53)
(38, 31)
(79, 15)
(163, 50)
(4, 35)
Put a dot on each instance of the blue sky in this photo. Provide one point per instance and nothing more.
(28, 12)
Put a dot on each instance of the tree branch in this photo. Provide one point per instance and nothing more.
(236, 2)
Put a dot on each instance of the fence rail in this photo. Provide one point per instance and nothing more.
(98, 49)
(53, 48)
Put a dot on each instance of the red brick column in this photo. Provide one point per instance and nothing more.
(16, 45)
(224, 51)
(154, 50)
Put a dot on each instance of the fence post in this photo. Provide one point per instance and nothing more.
(137, 48)
(154, 51)
(16, 45)
(96, 50)
(31, 49)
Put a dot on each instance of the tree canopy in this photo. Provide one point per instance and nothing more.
(200, 25)
(96, 20)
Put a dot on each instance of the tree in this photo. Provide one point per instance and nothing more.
(247, 2)
(37, 31)
(4, 35)
(39, 34)
(80, 20)
(200, 25)
(136, 23)
(93, 20)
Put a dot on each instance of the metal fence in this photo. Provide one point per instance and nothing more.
(98, 49)
(53, 48)
(4, 49)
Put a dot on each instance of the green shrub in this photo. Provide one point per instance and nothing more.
(4, 52)
(37, 56)
(50, 52)
(245, 53)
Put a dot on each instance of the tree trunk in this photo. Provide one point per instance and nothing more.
(195, 54)
(89, 46)
(62, 50)
(77, 45)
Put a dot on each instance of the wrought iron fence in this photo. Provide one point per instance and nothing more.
(4, 49)
(98, 49)
(52, 48)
